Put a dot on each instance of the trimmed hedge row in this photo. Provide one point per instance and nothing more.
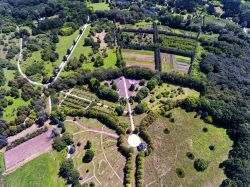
(148, 120)
(26, 138)
(139, 173)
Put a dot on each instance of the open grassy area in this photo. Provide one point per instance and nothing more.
(9, 75)
(11, 110)
(1, 163)
(98, 6)
(186, 134)
(106, 168)
(80, 48)
(40, 172)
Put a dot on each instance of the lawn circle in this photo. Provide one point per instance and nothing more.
(134, 140)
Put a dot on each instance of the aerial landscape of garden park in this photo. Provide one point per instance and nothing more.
(131, 93)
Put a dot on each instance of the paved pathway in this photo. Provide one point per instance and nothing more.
(129, 106)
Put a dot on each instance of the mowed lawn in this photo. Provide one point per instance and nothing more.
(186, 135)
(80, 48)
(65, 42)
(40, 172)
(99, 6)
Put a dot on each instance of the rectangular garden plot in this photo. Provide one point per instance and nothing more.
(141, 58)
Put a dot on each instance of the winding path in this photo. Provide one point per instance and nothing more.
(61, 67)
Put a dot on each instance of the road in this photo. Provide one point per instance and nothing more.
(129, 106)
(61, 67)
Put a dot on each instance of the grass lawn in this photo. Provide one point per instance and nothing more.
(185, 135)
(80, 48)
(10, 111)
(65, 42)
(99, 6)
(40, 172)
(9, 75)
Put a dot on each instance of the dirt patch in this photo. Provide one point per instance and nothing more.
(101, 36)
(27, 151)
(138, 57)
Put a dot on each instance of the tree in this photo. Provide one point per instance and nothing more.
(99, 61)
(88, 145)
(65, 167)
(114, 86)
(94, 84)
(89, 155)
(132, 87)
(200, 165)
(59, 144)
(3, 141)
(119, 110)
(68, 138)
(74, 177)
(141, 108)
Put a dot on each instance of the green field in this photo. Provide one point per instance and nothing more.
(80, 48)
(40, 172)
(185, 135)
(183, 59)
(10, 111)
(9, 75)
(99, 6)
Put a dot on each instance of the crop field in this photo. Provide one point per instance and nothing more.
(184, 135)
(172, 62)
(40, 172)
(168, 91)
(178, 43)
(140, 58)
(106, 168)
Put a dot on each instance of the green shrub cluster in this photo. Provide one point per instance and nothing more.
(26, 138)
(128, 170)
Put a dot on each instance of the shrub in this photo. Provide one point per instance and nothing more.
(159, 96)
(180, 173)
(88, 157)
(119, 110)
(152, 100)
(59, 144)
(141, 108)
(205, 129)
(211, 147)
(190, 155)
(208, 119)
(88, 145)
(68, 138)
(166, 131)
(200, 165)
(172, 120)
